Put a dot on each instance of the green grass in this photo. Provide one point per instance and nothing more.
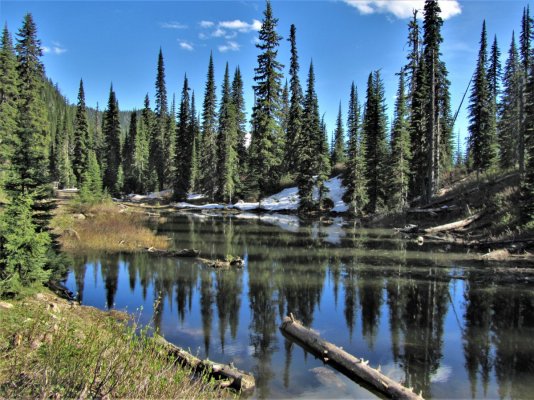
(49, 348)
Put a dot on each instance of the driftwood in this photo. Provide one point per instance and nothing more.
(453, 225)
(236, 262)
(229, 376)
(176, 253)
(353, 367)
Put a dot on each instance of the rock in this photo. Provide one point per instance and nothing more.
(79, 216)
(5, 306)
(40, 297)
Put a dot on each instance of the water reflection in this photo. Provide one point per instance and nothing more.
(429, 318)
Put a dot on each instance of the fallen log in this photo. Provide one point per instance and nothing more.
(236, 262)
(353, 367)
(174, 253)
(229, 376)
(453, 225)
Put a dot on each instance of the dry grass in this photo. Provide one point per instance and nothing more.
(106, 227)
(52, 349)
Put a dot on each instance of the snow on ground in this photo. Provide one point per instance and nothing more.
(287, 222)
(286, 200)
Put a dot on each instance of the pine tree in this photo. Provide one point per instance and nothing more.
(112, 158)
(99, 145)
(91, 189)
(8, 101)
(294, 123)
(374, 132)
(194, 126)
(170, 145)
(525, 53)
(355, 180)
(509, 125)
(29, 164)
(494, 70)
(400, 151)
(128, 155)
(23, 249)
(266, 148)
(144, 181)
(227, 157)
(81, 137)
(482, 127)
(241, 120)
(157, 160)
(65, 174)
(338, 149)
(184, 146)
(323, 164)
(208, 162)
(307, 149)
(527, 181)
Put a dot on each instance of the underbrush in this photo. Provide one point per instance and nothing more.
(50, 349)
(105, 227)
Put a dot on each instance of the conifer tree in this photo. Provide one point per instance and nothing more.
(400, 151)
(227, 157)
(23, 249)
(266, 148)
(494, 70)
(29, 164)
(509, 125)
(284, 116)
(194, 126)
(482, 127)
(8, 101)
(374, 132)
(294, 123)
(81, 136)
(128, 155)
(170, 145)
(144, 180)
(91, 189)
(323, 163)
(308, 146)
(241, 119)
(338, 149)
(525, 54)
(99, 145)
(184, 146)
(208, 162)
(112, 159)
(527, 181)
(355, 180)
(157, 160)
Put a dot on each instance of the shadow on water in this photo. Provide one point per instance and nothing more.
(433, 318)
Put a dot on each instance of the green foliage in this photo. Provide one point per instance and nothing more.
(238, 101)
(91, 188)
(23, 250)
(128, 155)
(184, 146)
(338, 151)
(112, 159)
(267, 142)
(81, 137)
(527, 182)
(194, 126)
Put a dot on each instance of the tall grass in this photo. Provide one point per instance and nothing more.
(56, 351)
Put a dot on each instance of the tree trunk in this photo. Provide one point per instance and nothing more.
(353, 367)
(453, 225)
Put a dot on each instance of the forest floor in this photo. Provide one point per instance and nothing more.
(54, 348)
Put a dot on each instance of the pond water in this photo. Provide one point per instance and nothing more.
(431, 316)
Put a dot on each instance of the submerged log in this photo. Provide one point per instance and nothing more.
(229, 376)
(453, 225)
(175, 253)
(353, 367)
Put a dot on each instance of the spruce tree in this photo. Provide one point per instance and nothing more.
(184, 146)
(338, 148)
(81, 137)
(208, 161)
(400, 151)
(194, 126)
(170, 144)
(307, 149)
(323, 164)
(509, 125)
(23, 248)
(241, 120)
(374, 132)
(482, 127)
(65, 174)
(158, 136)
(525, 54)
(355, 180)
(267, 142)
(8, 101)
(527, 179)
(494, 70)
(145, 180)
(29, 164)
(91, 189)
(112, 157)
(227, 157)
(128, 155)
(294, 123)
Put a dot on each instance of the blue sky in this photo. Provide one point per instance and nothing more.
(104, 42)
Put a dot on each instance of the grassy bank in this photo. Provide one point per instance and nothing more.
(50, 348)
(104, 227)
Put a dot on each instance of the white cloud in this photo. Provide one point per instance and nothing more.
(229, 46)
(186, 45)
(56, 49)
(173, 25)
(403, 8)
(218, 33)
(241, 26)
(45, 49)
(206, 24)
